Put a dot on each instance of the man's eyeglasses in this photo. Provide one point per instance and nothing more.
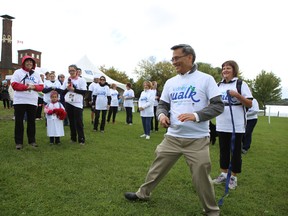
(176, 58)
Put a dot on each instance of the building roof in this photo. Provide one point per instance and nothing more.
(7, 17)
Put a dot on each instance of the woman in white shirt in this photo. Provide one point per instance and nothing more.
(128, 97)
(114, 103)
(224, 125)
(146, 105)
(26, 84)
(74, 88)
(102, 101)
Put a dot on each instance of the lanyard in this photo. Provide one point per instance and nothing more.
(221, 201)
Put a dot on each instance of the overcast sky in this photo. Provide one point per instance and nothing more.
(121, 33)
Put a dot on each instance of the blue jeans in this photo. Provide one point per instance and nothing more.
(146, 122)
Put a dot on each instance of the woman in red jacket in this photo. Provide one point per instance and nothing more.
(26, 83)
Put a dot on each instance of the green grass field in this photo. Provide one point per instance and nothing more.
(90, 180)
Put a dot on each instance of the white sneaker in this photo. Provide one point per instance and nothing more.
(233, 183)
(143, 135)
(147, 137)
(220, 179)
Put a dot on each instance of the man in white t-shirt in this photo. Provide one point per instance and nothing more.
(188, 101)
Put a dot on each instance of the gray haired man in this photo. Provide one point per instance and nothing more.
(188, 101)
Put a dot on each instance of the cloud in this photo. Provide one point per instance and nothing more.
(122, 33)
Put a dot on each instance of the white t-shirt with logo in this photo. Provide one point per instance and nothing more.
(130, 94)
(224, 121)
(71, 97)
(146, 101)
(189, 93)
(48, 84)
(29, 96)
(102, 92)
(114, 97)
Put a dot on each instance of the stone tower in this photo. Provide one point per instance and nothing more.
(6, 53)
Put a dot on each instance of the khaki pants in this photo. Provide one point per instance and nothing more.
(196, 153)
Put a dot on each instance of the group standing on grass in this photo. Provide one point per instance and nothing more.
(188, 101)
(69, 94)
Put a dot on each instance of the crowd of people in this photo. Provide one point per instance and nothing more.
(40, 96)
(188, 102)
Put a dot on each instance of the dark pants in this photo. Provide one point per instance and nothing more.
(20, 110)
(56, 139)
(247, 138)
(113, 110)
(103, 119)
(225, 151)
(39, 108)
(155, 120)
(6, 103)
(76, 122)
(129, 115)
(146, 122)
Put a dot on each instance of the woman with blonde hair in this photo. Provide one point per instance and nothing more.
(146, 105)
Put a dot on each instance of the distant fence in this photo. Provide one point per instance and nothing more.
(277, 110)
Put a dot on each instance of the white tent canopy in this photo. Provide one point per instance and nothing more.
(89, 71)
